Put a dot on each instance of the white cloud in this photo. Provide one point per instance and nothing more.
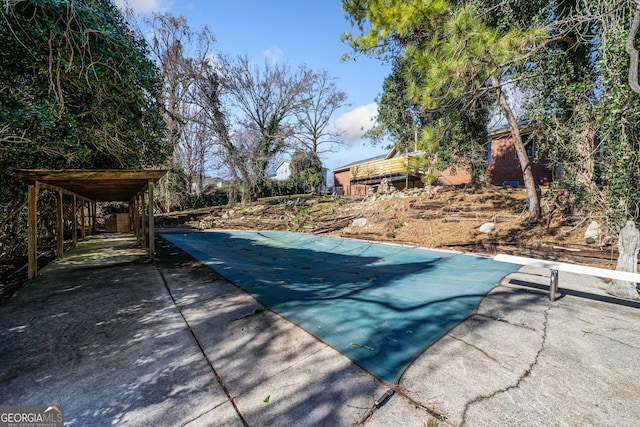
(356, 122)
(145, 6)
(273, 54)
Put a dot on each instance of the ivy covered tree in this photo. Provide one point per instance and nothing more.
(306, 167)
(77, 90)
(561, 83)
(583, 108)
(455, 62)
(618, 108)
(254, 112)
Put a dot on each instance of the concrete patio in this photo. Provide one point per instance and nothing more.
(119, 341)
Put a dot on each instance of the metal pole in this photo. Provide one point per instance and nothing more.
(553, 285)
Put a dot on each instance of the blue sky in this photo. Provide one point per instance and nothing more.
(298, 32)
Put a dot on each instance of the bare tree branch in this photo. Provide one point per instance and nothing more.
(321, 100)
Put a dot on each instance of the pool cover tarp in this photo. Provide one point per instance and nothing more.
(379, 304)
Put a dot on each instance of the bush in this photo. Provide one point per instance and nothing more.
(211, 196)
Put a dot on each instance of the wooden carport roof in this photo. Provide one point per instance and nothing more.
(106, 185)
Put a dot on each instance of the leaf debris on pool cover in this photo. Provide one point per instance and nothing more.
(416, 297)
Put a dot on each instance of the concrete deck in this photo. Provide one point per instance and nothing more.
(119, 341)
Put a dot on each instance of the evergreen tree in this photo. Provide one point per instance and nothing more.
(77, 90)
(456, 62)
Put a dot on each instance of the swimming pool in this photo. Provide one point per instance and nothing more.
(379, 304)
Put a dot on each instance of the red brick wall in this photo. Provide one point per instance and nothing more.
(504, 165)
(342, 179)
(445, 177)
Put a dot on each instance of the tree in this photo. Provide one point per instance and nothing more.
(455, 61)
(182, 55)
(253, 111)
(321, 98)
(77, 90)
(195, 151)
(618, 109)
(584, 109)
(560, 82)
(399, 118)
(462, 135)
(632, 51)
(307, 168)
(576, 60)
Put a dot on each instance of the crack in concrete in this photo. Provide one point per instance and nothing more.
(442, 418)
(584, 333)
(487, 355)
(585, 321)
(500, 319)
(522, 377)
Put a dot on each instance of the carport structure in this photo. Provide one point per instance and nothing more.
(90, 187)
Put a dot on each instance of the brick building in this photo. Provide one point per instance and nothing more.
(503, 166)
(362, 177)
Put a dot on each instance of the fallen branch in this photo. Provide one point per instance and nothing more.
(460, 244)
(333, 224)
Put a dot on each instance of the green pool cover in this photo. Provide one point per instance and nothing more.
(378, 304)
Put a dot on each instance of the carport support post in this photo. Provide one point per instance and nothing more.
(82, 224)
(133, 204)
(139, 216)
(89, 218)
(152, 244)
(553, 285)
(59, 224)
(144, 219)
(132, 214)
(136, 217)
(85, 210)
(32, 230)
(94, 213)
(74, 221)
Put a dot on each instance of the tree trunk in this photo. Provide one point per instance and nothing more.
(633, 52)
(533, 191)
(585, 169)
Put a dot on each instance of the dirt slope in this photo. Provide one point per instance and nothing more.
(442, 217)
